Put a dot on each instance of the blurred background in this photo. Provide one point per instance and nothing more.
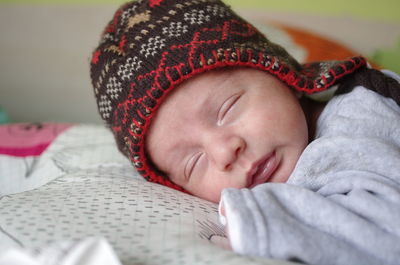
(45, 46)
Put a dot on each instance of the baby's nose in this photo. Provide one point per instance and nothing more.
(225, 151)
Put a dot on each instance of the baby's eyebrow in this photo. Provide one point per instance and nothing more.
(210, 106)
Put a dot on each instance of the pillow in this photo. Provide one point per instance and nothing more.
(28, 139)
(21, 146)
(97, 193)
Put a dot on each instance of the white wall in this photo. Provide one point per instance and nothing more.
(45, 52)
(44, 61)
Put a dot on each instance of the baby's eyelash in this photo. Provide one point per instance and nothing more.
(227, 105)
(191, 164)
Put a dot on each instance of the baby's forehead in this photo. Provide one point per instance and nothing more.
(233, 72)
(199, 94)
(226, 77)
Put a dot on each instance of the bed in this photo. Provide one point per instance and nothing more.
(67, 196)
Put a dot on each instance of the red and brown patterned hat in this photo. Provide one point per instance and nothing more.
(151, 46)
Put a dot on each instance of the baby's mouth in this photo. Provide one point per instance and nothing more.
(262, 170)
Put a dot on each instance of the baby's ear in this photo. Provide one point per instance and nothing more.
(298, 94)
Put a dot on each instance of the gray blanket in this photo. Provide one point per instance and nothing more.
(341, 205)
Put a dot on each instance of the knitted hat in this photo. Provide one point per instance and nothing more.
(151, 46)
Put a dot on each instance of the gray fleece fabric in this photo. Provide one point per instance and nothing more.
(341, 205)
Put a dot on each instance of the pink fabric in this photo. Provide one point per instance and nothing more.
(28, 139)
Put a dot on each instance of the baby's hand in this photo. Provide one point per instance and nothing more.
(222, 217)
(222, 241)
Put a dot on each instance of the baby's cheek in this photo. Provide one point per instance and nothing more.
(208, 189)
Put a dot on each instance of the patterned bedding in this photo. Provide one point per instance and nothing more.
(80, 199)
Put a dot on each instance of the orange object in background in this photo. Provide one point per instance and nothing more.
(319, 48)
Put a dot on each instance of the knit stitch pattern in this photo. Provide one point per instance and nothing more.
(151, 46)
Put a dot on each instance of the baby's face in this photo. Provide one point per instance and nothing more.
(228, 128)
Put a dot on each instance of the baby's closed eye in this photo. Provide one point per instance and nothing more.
(191, 164)
(226, 107)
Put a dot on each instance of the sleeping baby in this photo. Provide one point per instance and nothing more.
(202, 102)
